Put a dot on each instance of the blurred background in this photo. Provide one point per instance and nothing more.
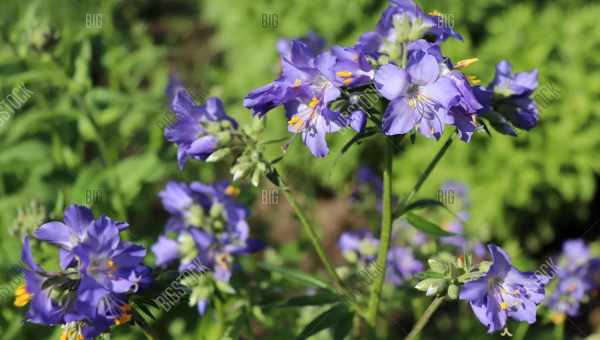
(83, 111)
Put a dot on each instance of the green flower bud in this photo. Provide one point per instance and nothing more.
(218, 155)
(216, 210)
(453, 292)
(195, 216)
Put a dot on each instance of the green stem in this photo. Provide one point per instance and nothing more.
(435, 304)
(316, 243)
(386, 226)
(386, 232)
(441, 152)
(312, 235)
(559, 331)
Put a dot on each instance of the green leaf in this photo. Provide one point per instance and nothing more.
(427, 226)
(343, 328)
(309, 300)
(437, 266)
(87, 129)
(297, 276)
(330, 318)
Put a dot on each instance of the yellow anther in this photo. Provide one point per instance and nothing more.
(296, 122)
(125, 316)
(462, 64)
(412, 103)
(347, 81)
(111, 265)
(503, 305)
(313, 102)
(22, 296)
(297, 82)
(435, 13)
(344, 74)
(232, 191)
(473, 80)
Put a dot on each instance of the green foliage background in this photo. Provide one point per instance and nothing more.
(94, 121)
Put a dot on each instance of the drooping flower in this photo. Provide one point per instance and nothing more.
(209, 228)
(402, 265)
(198, 130)
(420, 96)
(504, 292)
(507, 102)
(577, 275)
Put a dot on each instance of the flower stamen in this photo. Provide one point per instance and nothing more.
(22, 296)
(462, 64)
(125, 315)
(232, 191)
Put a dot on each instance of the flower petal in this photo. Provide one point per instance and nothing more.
(398, 118)
(391, 81)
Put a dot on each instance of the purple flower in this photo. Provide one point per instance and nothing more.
(43, 309)
(359, 246)
(314, 42)
(99, 272)
(402, 265)
(307, 85)
(420, 96)
(507, 100)
(404, 22)
(431, 23)
(504, 292)
(198, 131)
(463, 113)
(577, 275)
(209, 229)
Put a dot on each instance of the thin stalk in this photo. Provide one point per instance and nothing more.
(435, 304)
(559, 331)
(312, 235)
(386, 232)
(316, 243)
(441, 152)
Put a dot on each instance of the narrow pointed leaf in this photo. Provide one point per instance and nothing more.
(426, 226)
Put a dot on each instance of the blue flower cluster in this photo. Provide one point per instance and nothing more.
(208, 227)
(403, 59)
(578, 275)
(99, 271)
